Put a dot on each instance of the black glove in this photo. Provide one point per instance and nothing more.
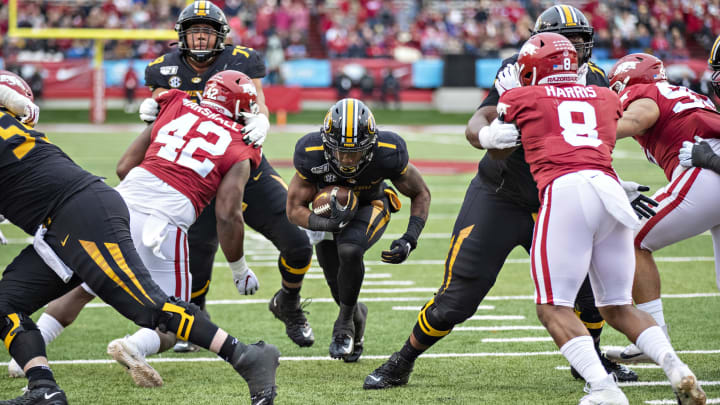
(399, 251)
(339, 216)
(639, 202)
(703, 156)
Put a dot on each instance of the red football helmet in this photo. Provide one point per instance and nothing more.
(636, 68)
(232, 93)
(547, 58)
(16, 83)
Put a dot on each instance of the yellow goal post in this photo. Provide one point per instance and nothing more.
(99, 35)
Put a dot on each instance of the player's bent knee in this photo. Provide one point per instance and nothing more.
(17, 327)
(350, 253)
(294, 263)
(177, 316)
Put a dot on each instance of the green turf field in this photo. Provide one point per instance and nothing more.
(470, 366)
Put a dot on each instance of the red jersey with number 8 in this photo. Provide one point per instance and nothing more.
(564, 129)
(683, 114)
(192, 147)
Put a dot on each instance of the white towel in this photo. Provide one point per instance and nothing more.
(49, 256)
(154, 233)
(613, 197)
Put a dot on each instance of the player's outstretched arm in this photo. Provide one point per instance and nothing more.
(231, 226)
(638, 117)
(134, 154)
(300, 193)
(412, 185)
(483, 117)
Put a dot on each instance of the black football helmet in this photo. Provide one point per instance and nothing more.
(714, 62)
(202, 12)
(349, 137)
(568, 21)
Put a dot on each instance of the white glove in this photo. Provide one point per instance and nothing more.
(245, 280)
(582, 74)
(642, 204)
(499, 135)
(3, 240)
(256, 129)
(19, 105)
(686, 151)
(149, 110)
(31, 114)
(508, 78)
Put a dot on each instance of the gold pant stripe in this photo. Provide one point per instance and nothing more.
(15, 319)
(97, 257)
(117, 255)
(381, 224)
(295, 270)
(455, 250)
(534, 216)
(425, 325)
(378, 208)
(186, 320)
(201, 291)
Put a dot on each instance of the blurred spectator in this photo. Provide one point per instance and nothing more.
(390, 89)
(367, 85)
(130, 82)
(343, 84)
(274, 58)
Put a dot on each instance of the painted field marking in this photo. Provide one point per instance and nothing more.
(389, 282)
(674, 401)
(480, 307)
(520, 339)
(367, 276)
(497, 328)
(496, 317)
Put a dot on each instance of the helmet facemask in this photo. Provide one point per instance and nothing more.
(349, 137)
(201, 13)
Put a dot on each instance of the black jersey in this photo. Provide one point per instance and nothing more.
(35, 175)
(172, 71)
(511, 177)
(389, 161)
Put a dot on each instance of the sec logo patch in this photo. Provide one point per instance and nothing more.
(174, 82)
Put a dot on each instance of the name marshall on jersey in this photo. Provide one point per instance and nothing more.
(172, 71)
(211, 115)
(390, 160)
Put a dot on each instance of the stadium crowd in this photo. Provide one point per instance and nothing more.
(288, 29)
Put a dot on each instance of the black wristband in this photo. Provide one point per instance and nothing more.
(318, 223)
(714, 163)
(415, 226)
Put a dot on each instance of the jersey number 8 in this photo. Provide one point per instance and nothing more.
(578, 133)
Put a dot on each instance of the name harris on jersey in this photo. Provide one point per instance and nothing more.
(571, 92)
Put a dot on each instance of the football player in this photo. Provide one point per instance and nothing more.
(661, 117)
(82, 233)
(585, 223)
(202, 29)
(497, 215)
(350, 151)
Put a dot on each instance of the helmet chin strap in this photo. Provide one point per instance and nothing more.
(534, 76)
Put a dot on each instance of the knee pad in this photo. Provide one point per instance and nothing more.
(32, 344)
(431, 320)
(294, 263)
(350, 253)
(178, 316)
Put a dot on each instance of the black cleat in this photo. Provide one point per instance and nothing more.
(359, 319)
(393, 373)
(44, 393)
(621, 372)
(257, 364)
(288, 309)
(343, 337)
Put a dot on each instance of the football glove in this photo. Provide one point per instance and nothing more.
(342, 216)
(149, 110)
(499, 135)
(31, 114)
(508, 78)
(256, 129)
(399, 251)
(699, 154)
(640, 202)
(246, 281)
(582, 74)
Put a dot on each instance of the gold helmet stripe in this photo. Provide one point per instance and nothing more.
(349, 107)
(568, 15)
(201, 8)
(714, 51)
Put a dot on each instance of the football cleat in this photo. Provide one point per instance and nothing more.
(621, 373)
(41, 392)
(127, 354)
(631, 354)
(393, 373)
(605, 392)
(343, 337)
(257, 364)
(14, 370)
(359, 319)
(183, 346)
(288, 309)
(683, 381)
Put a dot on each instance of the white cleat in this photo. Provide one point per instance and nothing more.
(126, 353)
(14, 370)
(683, 381)
(629, 355)
(605, 392)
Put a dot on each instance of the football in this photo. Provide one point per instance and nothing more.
(321, 202)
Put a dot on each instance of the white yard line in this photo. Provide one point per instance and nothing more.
(496, 317)
(674, 401)
(520, 339)
(480, 308)
(496, 328)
